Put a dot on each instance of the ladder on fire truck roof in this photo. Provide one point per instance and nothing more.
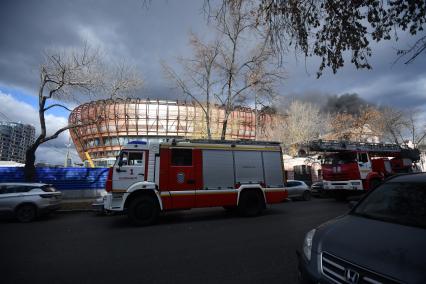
(336, 146)
(374, 149)
(237, 142)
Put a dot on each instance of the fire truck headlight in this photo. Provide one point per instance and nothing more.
(307, 244)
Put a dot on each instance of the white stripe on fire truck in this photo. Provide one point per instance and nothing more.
(211, 147)
(199, 192)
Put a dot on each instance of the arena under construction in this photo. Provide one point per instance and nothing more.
(120, 121)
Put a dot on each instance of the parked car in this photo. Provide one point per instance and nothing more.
(317, 189)
(298, 189)
(27, 201)
(381, 240)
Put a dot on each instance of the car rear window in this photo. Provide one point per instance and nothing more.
(48, 188)
(403, 203)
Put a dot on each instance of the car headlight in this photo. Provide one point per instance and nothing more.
(307, 244)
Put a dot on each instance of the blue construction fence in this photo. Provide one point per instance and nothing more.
(64, 179)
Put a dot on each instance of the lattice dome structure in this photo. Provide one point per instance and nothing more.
(120, 121)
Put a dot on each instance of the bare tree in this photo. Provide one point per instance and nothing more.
(301, 123)
(329, 29)
(63, 75)
(416, 130)
(243, 73)
(198, 80)
(120, 80)
(400, 127)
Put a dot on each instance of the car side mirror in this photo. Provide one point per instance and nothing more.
(352, 204)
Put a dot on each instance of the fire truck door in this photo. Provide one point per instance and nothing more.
(129, 170)
(183, 177)
(364, 165)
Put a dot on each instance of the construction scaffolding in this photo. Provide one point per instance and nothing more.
(120, 121)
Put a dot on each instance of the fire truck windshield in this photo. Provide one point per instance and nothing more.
(340, 158)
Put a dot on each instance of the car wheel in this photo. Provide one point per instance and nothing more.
(306, 195)
(26, 213)
(251, 203)
(143, 211)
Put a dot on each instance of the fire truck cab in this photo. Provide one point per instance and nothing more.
(151, 177)
(351, 168)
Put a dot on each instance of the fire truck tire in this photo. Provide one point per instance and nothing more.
(306, 195)
(251, 203)
(374, 183)
(230, 208)
(143, 210)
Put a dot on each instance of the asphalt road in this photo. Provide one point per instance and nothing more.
(196, 246)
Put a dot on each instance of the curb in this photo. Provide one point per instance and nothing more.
(77, 206)
(75, 210)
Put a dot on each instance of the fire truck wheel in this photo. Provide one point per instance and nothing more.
(251, 203)
(143, 211)
(306, 196)
(230, 208)
(374, 183)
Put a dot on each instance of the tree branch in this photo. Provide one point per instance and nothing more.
(56, 105)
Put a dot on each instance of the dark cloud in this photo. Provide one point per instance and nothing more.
(388, 83)
(143, 34)
(129, 31)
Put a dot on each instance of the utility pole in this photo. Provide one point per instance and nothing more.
(68, 160)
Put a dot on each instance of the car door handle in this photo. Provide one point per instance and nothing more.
(141, 174)
(190, 181)
(120, 170)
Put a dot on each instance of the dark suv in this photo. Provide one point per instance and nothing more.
(381, 240)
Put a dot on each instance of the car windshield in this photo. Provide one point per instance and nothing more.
(402, 203)
(341, 158)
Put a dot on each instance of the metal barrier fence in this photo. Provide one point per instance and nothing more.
(74, 182)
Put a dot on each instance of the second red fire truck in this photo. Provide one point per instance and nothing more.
(150, 177)
(350, 168)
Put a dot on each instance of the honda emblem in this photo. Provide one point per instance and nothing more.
(351, 276)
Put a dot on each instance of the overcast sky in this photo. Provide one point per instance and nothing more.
(143, 36)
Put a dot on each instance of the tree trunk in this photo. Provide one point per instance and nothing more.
(209, 133)
(225, 125)
(29, 169)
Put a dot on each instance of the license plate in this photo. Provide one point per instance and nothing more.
(339, 186)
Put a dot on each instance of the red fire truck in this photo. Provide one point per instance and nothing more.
(350, 168)
(150, 177)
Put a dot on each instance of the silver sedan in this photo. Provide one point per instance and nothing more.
(298, 190)
(26, 201)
